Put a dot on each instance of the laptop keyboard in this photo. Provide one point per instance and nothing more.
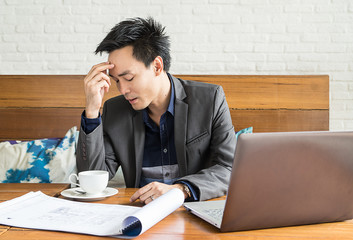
(216, 213)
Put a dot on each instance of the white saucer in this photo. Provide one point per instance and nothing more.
(72, 193)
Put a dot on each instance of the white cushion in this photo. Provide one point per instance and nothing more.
(39, 161)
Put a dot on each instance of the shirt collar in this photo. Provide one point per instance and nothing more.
(172, 96)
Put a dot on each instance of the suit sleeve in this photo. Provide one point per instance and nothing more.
(94, 151)
(212, 181)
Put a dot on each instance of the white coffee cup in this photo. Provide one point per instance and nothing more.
(93, 182)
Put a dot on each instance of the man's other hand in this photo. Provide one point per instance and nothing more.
(152, 191)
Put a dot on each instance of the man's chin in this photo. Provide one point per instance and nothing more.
(137, 107)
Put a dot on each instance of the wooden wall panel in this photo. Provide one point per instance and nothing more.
(271, 91)
(42, 91)
(44, 106)
(54, 122)
(281, 120)
(242, 92)
(36, 123)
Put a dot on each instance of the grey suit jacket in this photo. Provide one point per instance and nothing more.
(204, 139)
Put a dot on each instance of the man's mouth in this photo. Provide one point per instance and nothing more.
(132, 100)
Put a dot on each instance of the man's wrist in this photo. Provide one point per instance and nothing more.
(185, 189)
(91, 114)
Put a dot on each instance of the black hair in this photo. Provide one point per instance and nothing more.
(146, 36)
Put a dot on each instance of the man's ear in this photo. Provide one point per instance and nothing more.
(158, 65)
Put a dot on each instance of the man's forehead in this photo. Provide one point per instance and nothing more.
(121, 68)
(119, 74)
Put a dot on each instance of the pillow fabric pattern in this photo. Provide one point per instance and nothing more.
(245, 130)
(39, 161)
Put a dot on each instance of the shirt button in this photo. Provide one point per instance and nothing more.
(167, 174)
(165, 150)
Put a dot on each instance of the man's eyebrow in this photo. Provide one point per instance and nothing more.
(111, 75)
(124, 73)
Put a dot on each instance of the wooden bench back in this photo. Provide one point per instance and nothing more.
(44, 106)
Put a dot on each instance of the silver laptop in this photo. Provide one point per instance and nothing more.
(285, 179)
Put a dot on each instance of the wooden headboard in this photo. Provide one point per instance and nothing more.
(44, 106)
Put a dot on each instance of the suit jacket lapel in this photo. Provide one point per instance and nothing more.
(139, 141)
(180, 126)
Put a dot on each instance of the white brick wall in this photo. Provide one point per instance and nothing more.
(208, 37)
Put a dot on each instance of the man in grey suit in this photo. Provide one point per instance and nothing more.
(163, 131)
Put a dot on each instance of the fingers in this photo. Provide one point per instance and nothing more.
(141, 194)
(99, 72)
(150, 192)
(100, 80)
(96, 83)
(148, 200)
(101, 67)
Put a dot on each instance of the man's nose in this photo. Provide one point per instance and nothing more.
(123, 87)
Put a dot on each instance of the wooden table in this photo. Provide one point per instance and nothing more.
(11, 190)
(178, 225)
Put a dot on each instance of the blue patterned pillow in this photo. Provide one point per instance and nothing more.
(39, 161)
(245, 130)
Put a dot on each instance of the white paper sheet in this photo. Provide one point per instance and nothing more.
(156, 210)
(39, 211)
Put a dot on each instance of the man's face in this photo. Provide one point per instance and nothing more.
(137, 83)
